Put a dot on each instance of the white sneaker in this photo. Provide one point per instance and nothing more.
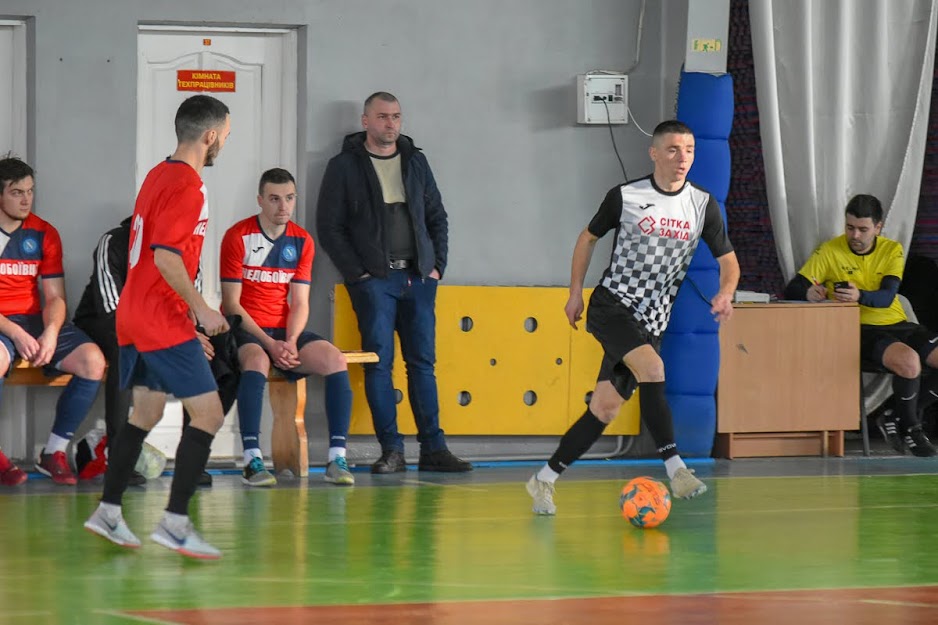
(685, 486)
(543, 495)
(186, 541)
(337, 472)
(112, 527)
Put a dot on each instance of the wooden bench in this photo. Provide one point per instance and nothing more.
(289, 445)
(290, 448)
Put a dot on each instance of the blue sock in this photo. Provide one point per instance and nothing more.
(338, 407)
(250, 404)
(73, 405)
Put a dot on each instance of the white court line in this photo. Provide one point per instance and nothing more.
(133, 617)
(905, 604)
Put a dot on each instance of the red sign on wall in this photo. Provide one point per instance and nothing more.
(204, 80)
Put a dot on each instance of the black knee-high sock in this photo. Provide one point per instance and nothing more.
(577, 441)
(656, 415)
(121, 461)
(905, 394)
(191, 456)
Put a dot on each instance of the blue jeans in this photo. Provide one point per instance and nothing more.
(403, 302)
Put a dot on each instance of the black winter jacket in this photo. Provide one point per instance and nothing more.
(351, 220)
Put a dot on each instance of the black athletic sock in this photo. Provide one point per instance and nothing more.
(656, 415)
(905, 394)
(577, 441)
(191, 456)
(121, 461)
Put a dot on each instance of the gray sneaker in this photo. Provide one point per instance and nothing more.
(184, 540)
(685, 486)
(337, 473)
(543, 495)
(112, 527)
(256, 474)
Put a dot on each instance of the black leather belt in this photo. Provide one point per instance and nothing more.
(400, 264)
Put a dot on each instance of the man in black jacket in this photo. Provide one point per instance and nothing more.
(382, 222)
(96, 315)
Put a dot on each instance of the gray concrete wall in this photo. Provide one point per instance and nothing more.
(487, 89)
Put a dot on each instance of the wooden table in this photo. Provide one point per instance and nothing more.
(789, 379)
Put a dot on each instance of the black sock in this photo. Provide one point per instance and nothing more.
(121, 461)
(656, 415)
(905, 394)
(191, 456)
(577, 441)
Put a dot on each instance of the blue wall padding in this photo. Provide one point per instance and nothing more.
(691, 434)
(690, 347)
(688, 354)
(712, 163)
(705, 103)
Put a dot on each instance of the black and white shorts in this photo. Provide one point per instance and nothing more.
(619, 332)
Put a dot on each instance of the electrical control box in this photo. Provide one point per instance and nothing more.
(602, 98)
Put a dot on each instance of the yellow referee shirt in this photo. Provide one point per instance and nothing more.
(834, 261)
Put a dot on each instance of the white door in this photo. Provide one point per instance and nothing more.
(15, 428)
(261, 64)
(13, 88)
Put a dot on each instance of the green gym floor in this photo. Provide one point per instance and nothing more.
(795, 541)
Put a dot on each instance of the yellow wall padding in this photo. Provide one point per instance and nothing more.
(508, 363)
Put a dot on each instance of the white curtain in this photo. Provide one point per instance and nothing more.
(843, 89)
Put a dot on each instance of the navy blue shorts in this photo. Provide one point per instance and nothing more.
(243, 337)
(70, 338)
(182, 370)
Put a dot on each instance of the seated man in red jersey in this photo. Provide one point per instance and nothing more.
(34, 328)
(266, 265)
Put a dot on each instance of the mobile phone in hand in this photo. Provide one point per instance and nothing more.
(841, 285)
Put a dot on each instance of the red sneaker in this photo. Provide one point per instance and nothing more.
(56, 466)
(10, 474)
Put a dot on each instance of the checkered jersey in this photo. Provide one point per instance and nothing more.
(656, 236)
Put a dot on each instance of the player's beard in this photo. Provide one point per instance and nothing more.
(213, 151)
(15, 217)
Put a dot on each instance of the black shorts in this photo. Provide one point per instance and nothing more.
(875, 339)
(615, 327)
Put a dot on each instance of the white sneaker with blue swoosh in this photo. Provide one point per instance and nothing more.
(183, 539)
(111, 526)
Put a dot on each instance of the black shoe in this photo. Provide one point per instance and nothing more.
(443, 461)
(136, 479)
(919, 444)
(890, 429)
(205, 479)
(390, 462)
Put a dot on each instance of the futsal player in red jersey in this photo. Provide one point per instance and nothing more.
(156, 329)
(34, 328)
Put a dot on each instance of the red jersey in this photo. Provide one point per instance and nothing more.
(266, 268)
(32, 251)
(171, 213)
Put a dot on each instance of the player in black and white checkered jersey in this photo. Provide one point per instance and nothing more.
(658, 221)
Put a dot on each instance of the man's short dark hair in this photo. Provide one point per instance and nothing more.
(13, 170)
(384, 96)
(671, 126)
(198, 114)
(274, 176)
(863, 206)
